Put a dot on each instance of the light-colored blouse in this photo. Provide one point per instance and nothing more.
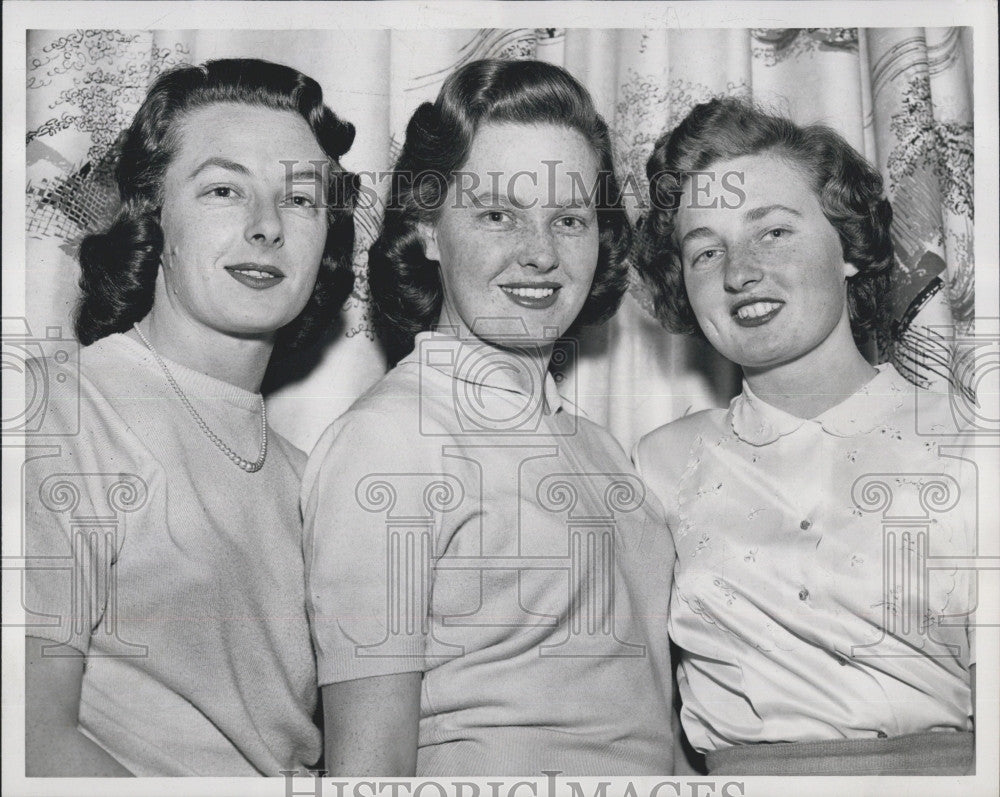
(177, 574)
(813, 597)
(503, 546)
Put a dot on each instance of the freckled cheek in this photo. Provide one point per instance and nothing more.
(704, 299)
(581, 255)
(482, 260)
(450, 250)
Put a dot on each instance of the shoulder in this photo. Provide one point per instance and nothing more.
(388, 412)
(291, 454)
(389, 428)
(87, 447)
(596, 436)
(674, 439)
(942, 411)
(75, 394)
(661, 457)
(941, 419)
(941, 426)
(112, 360)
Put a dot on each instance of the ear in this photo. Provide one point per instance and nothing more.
(428, 234)
(849, 270)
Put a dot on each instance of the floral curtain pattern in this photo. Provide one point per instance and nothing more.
(901, 96)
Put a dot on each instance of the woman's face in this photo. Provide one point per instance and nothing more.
(243, 240)
(765, 276)
(517, 238)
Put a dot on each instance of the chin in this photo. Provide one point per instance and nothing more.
(761, 362)
(260, 329)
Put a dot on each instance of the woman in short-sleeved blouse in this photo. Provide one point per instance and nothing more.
(486, 574)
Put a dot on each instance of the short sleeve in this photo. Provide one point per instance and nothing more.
(75, 487)
(661, 457)
(368, 501)
(970, 629)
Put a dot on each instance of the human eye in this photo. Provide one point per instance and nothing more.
(221, 192)
(497, 218)
(776, 233)
(706, 257)
(305, 201)
(572, 223)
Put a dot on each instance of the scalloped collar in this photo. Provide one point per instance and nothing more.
(755, 421)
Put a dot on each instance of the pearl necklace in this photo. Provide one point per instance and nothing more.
(245, 464)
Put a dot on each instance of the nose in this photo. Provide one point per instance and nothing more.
(743, 270)
(264, 224)
(538, 250)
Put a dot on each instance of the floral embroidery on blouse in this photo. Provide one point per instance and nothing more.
(791, 562)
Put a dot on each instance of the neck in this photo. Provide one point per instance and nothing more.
(239, 361)
(815, 382)
(536, 355)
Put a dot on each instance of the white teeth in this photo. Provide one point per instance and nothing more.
(531, 293)
(257, 274)
(756, 310)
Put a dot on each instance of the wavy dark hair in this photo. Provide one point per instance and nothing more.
(406, 289)
(119, 266)
(849, 189)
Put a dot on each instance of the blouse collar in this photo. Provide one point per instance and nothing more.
(756, 422)
(480, 364)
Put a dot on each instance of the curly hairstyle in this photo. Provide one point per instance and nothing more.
(849, 190)
(119, 266)
(406, 289)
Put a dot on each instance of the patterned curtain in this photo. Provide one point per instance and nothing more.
(903, 96)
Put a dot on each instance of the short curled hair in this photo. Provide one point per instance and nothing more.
(406, 290)
(119, 266)
(849, 190)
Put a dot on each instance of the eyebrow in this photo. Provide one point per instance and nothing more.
(756, 214)
(492, 199)
(300, 173)
(309, 171)
(222, 163)
(697, 232)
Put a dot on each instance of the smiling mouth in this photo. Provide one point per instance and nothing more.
(255, 276)
(536, 297)
(530, 293)
(755, 313)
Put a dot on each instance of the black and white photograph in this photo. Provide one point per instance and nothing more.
(501, 399)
